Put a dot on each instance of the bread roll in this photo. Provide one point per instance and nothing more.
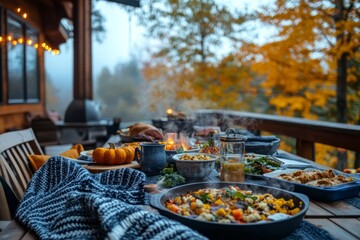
(145, 130)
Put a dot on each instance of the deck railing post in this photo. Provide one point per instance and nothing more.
(305, 149)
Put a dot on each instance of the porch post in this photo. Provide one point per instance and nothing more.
(82, 49)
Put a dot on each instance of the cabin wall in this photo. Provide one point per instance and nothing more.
(14, 116)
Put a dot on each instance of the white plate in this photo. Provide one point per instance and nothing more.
(87, 153)
(293, 163)
(79, 161)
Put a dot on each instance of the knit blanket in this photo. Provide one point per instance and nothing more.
(64, 201)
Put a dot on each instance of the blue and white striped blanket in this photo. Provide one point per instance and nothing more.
(65, 201)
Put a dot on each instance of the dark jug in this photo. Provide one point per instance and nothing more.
(151, 157)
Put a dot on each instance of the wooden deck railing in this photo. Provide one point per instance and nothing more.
(306, 132)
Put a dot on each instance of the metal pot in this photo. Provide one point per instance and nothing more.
(260, 230)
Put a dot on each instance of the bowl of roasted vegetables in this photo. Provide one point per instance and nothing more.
(234, 210)
(195, 166)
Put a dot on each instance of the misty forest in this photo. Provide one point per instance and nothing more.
(309, 66)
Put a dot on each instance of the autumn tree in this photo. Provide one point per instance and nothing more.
(309, 62)
(191, 34)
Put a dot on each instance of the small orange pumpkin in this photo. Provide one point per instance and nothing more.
(112, 155)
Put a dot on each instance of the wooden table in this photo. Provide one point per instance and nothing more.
(339, 218)
(97, 168)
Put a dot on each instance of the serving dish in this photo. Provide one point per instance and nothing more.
(328, 194)
(171, 153)
(258, 230)
(195, 170)
(266, 145)
(258, 164)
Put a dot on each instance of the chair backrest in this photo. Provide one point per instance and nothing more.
(15, 168)
(8, 202)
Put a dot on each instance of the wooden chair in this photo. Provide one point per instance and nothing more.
(15, 168)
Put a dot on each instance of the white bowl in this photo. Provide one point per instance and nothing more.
(195, 169)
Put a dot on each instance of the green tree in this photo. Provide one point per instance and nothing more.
(190, 31)
(190, 34)
(120, 93)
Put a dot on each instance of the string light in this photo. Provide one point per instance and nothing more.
(29, 42)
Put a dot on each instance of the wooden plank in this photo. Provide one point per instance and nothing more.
(340, 208)
(334, 230)
(29, 236)
(4, 224)
(349, 224)
(333, 134)
(101, 168)
(13, 231)
(317, 211)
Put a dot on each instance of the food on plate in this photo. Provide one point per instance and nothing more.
(133, 145)
(260, 164)
(230, 205)
(318, 178)
(207, 148)
(351, 170)
(112, 155)
(146, 131)
(170, 178)
(195, 157)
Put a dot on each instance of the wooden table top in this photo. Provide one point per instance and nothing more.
(339, 218)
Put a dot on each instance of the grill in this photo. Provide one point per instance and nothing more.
(82, 110)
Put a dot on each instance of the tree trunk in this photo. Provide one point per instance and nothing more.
(341, 63)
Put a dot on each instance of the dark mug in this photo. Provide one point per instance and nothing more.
(151, 157)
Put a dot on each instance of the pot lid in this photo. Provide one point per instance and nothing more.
(231, 136)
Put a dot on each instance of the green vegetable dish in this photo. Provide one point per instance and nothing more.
(170, 178)
(259, 164)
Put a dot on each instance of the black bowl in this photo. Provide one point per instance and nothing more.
(265, 145)
(259, 230)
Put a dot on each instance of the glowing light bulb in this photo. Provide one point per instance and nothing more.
(29, 42)
(9, 38)
(18, 10)
(24, 15)
(20, 40)
(36, 45)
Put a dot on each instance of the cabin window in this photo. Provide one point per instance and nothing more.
(22, 62)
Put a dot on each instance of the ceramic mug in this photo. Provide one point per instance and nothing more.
(151, 157)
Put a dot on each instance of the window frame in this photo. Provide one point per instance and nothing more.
(25, 29)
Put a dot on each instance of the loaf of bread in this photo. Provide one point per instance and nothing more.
(144, 130)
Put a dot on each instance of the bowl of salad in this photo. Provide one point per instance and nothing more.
(256, 164)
